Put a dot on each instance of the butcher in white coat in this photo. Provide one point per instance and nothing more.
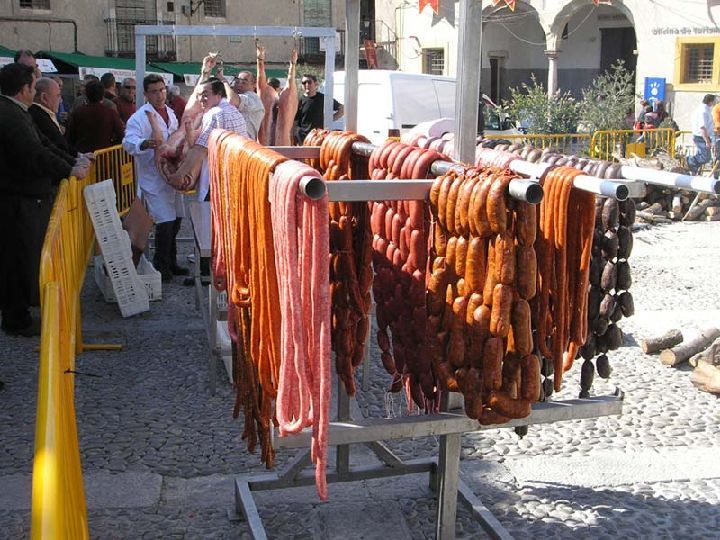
(163, 202)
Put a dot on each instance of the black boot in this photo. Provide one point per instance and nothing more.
(163, 242)
(175, 268)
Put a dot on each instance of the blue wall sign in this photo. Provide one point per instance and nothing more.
(654, 89)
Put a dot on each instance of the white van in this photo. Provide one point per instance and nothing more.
(399, 100)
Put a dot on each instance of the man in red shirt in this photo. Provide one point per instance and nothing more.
(177, 102)
(126, 100)
(94, 126)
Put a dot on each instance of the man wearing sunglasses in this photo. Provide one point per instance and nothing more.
(126, 100)
(310, 113)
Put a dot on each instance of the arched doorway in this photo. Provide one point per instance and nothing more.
(590, 40)
(513, 45)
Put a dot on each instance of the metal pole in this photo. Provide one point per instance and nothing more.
(329, 78)
(467, 92)
(352, 59)
(449, 471)
(139, 67)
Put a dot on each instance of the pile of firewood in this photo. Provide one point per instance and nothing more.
(702, 353)
(663, 205)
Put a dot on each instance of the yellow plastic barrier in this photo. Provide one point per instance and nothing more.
(565, 143)
(116, 163)
(624, 142)
(58, 498)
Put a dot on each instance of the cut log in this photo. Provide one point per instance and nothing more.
(655, 344)
(681, 353)
(654, 208)
(695, 212)
(711, 355)
(713, 210)
(652, 218)
(706, 378)
(714, 217)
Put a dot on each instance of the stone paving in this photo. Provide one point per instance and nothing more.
(159, 452)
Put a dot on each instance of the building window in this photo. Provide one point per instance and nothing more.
(697, 63)
(35, 4)
(214, 8)
(433, 61)
(170, 7)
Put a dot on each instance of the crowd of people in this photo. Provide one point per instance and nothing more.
(46, 139)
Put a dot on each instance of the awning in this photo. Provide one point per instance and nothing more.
(98, 65)
(190, 71)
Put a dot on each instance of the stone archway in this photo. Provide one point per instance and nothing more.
(513, 49)
(588, 39)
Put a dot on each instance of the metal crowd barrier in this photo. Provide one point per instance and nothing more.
(117, 164)
(565, 143)
(58, 498)
(627, 141)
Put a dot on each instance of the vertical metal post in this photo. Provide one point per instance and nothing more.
(139, 67)
(343, 415)
(329, 81)
(352, 59)
(467, 91)
(449, 472)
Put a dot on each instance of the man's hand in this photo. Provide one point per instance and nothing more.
(294, 57)
(79, 171)
(149, 143)
(260, 50)
(209, 62)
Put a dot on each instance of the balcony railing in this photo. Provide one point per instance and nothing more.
(121, 40)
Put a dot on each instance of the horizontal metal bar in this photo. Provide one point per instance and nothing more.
(702, 184)
(378, 190)
(297, 152)
(451, 422)
(356, 474)
(228, 30)
(599, 186)
(519, 189)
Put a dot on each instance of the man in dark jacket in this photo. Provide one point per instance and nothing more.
(30, 166)
(44, 113)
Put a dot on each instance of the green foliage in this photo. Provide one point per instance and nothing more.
(532, 108)
(608, 99)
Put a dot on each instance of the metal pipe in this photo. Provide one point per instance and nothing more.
(312, 187)
(521, 190)
(703, 184)
(606, 188)
(45, 20)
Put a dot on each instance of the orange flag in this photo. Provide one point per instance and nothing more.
(434, 4)
(508, 3)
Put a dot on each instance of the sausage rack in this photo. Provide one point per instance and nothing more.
(448, 425)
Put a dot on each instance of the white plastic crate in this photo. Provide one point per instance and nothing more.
(147, 274)
(128, 289)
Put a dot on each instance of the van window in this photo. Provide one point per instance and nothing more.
(446, 97)
(415, 101)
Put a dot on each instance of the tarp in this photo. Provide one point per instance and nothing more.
(99, 65)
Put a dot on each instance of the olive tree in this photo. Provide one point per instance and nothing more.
(537, 112)
(608, 99)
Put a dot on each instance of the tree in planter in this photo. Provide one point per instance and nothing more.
(608, 99)
(534, 110)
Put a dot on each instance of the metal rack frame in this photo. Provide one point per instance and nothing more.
(448, 425)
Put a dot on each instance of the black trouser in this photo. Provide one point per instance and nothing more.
(164, 259)
(23, 223)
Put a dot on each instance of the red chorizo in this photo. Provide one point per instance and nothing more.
(501, 305)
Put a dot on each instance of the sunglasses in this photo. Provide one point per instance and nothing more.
(129, 87)
(305, 82)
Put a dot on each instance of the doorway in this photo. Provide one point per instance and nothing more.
(495, 78)
(617, 44)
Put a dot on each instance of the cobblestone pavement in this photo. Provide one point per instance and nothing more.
(147, 421)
